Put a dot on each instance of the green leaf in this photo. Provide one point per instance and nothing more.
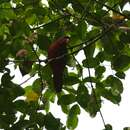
(72, 122)
(72, 119)
(90, 79)
(115, 84)
(77, 6)
(108, 127)
(121, 62)
(16, 90)
(21, 124)
(51, 27)
(90, 62)
(21, 105)
(109, 96)
(65, 108)
(82, 96)
(51, 123)
(49, 95)
(75, 110)
(7, 14)
(67, 99)
(46, 73)
(81, 30)
(126, 128)
(6, 80)
(89, 50)
(36, 86)
(120, 75)
(92, 106)
(25, 67)
(4, 30)
(99, 71)
(38, 118)
(110, 43)
(31, 19)
(71, 79)
(43, 42)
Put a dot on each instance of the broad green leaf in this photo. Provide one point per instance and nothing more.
(49, 95)
(75, 110)
(4, 1)
(36, 86)
(115, 84)
(109, 96)
(72, 122)
(25, 67)
(72, 119)
(6, 80)
(99, 71)
(90, 62)
(67, 99)
(89, 50)
(43, 42)
(120, 75)
(4, 30)
(108, 127)
(51, 27)
(16, 90)
(90, 79)
(21, 105)
(77, 6)
(46, 106)
(7, 14)
(82, 96)
(126, 128)
(8, 118)
(110, 43)
(65, 108)
(81, 30)
(71, 79)
(38, 118)
(31, 20)
(121, 62)
(21, 124)
(51, 123)
(94, 105)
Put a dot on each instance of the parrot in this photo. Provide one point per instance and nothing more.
(56, 49)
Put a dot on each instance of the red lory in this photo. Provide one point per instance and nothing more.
(57, 49)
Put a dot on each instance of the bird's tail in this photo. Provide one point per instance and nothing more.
(58, 82)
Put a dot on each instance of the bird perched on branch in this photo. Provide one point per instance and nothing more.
(57, 60)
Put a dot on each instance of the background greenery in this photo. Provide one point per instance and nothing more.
(98, 28)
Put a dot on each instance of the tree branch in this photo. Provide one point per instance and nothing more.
(46, 24)
(110, 8)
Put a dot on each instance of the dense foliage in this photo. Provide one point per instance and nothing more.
(97, 28)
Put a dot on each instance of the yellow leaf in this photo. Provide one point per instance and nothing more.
(31, 96)
(118, 17)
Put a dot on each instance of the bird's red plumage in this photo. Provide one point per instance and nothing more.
(57, 49)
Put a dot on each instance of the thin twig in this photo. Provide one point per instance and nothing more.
(93, 90)
(110, 8)
(39, 69)
(27, 80)
(46, 24)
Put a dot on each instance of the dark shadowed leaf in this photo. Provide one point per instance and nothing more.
(82, 96)
(67, 99)
(121, 62)
(52, 123)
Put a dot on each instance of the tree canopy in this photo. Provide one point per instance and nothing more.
(99, 29)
